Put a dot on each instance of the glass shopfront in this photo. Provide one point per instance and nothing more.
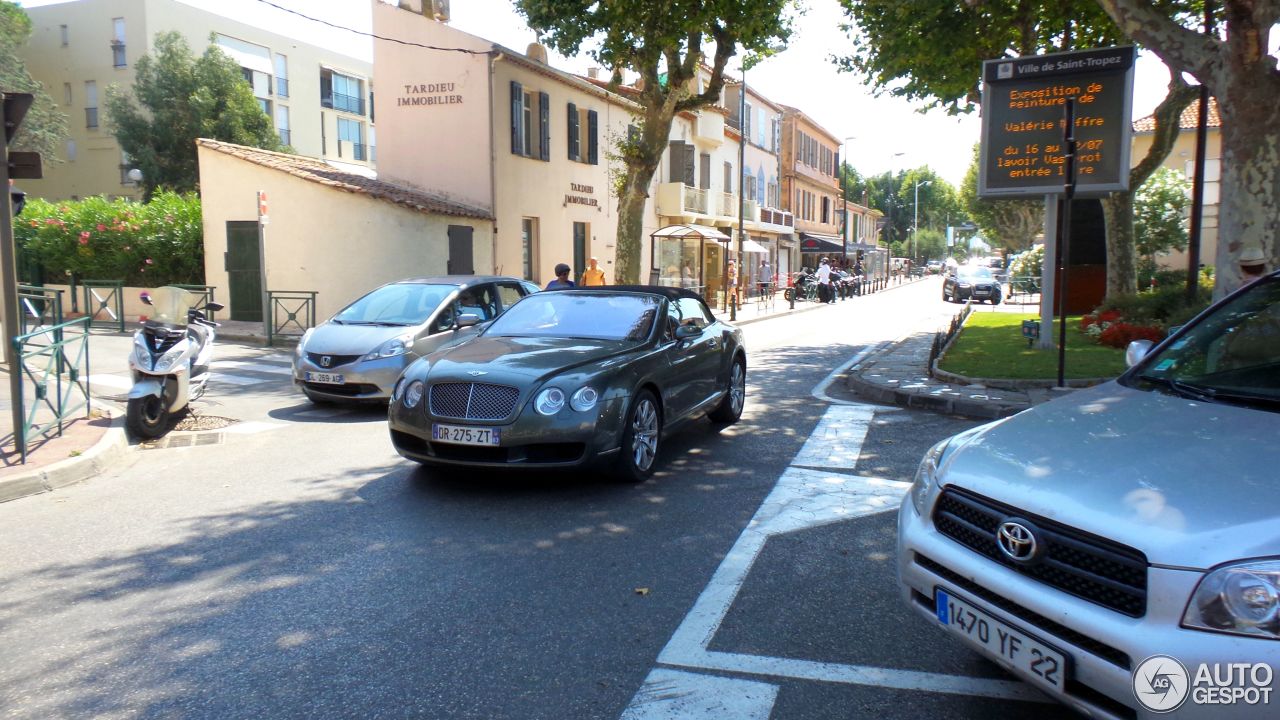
(692, 263)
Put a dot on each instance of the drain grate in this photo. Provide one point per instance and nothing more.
(187, 440)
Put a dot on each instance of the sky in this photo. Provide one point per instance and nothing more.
(881, 133)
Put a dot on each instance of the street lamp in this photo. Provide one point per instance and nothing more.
(915, 223)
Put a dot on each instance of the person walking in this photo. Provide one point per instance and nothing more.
(824, 282)
(764, 278)
(733, 281)
(562, 281)
(593, 276)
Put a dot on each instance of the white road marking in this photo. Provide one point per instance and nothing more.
(253, 426)
(820, 390)
(286, 369)
(672, 695)
(218, 378)
(110, 381)
(837, 440)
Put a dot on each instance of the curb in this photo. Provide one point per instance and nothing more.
(949, 406)
(110, 448)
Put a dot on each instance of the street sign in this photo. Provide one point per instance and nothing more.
(25, 166)
(1022, 123)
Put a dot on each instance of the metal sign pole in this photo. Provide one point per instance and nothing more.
(9, 287)
(1064, 236)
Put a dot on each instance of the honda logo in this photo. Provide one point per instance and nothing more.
(1017, 540)
(326, 360)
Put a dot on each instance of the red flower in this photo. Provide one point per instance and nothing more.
(84, 238)
(1120, 334)
(149, 261)
(101, 227)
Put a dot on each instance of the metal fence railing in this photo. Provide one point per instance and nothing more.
(38, 307)
(1024, 290)
(53, 379)
(290, 313)
(104, 303)
(942, 337)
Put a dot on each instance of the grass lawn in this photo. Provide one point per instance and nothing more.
(991, 346)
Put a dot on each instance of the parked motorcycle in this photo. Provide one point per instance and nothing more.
(804, 286)
(170, 360)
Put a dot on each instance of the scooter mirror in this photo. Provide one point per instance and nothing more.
(145, 297)
(214, 306)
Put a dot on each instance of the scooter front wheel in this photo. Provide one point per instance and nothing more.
(147, 417)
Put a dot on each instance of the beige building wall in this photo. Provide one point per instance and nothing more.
(91, 164)
(1182, 158)
(808, 174)
(337, 243)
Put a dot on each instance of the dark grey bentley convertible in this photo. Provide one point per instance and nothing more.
(570, 378)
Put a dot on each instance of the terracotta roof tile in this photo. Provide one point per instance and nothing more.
(318, 171)
(1189, 119)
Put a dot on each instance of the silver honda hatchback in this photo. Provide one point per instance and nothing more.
(358, 354)
(1119, 548)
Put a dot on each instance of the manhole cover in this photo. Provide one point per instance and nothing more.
(191, 440)
(196, 423)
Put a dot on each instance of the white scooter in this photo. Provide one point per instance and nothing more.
(170, 360)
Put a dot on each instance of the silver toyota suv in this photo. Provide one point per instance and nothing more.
(1119, 548)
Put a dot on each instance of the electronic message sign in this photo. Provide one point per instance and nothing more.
(1023, 103)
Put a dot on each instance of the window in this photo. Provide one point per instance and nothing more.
(66, 94)
(265, 105)
(529, 248)
(704, 171)
(583, 144)
(91, 104)
(826, 209)
(681, 168)
(746, 122)
(66, 35)
(530, 123)
(749, 190)
(728, 177)
(117, 42)
(479, 300)
(341, 92)
(351, 139)
(282, 76)
(693, 312)
(282, 124)
(71, 151)
(510, 293)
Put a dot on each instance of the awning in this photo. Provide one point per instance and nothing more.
(865, 247)
(692, 232)
(749, 245)
(816, 243)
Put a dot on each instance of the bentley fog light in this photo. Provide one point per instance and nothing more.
(549, 401)
(1240, 599)
(926, 476)
(584, 399)
(413, 393)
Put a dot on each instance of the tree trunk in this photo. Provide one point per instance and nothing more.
(641, 157)
(1117, 209)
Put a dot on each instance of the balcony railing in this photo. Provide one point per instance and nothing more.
(118, 55)
(345, 103)
(285, 136)
(728, 205)
(354, 151)
(91, 118)
(282, 86)
(695, 200)
(777, 217)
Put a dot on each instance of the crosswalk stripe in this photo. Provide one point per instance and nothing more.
(252, 366)
(218, 378)
(110, 381)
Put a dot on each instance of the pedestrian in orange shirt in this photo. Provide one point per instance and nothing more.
(593, 275)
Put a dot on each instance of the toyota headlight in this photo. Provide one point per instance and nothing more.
(549, 401)
(1241, 599)
(413, 393)
(390, 348)
(584, 399)
(926, 476)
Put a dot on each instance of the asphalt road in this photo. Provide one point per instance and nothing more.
(293, 565)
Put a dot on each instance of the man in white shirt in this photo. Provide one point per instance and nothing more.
(824, 283)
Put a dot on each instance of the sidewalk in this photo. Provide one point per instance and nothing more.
(899, 374)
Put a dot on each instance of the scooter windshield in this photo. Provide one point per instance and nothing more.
(169, 305)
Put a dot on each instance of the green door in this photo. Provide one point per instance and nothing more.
(244, 269)
(579, 250)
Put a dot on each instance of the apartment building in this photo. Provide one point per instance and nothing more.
(759, 122)
(320, 99)
(810, 187)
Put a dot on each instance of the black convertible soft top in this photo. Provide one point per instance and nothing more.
(671, 293)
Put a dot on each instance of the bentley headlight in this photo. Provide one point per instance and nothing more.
(413, 393)
(390, 348)
(549, 401)
(1239, 599)
(584, 399)
(395, 392)
(926, 476)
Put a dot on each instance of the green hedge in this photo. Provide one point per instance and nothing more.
(145, 245)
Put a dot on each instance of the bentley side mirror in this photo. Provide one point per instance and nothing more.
(1137, 350)
(466, 320)
(688, 332)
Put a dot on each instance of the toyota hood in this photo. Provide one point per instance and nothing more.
(1189, 483)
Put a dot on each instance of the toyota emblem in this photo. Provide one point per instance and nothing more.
(1017, 540)
(325, 360)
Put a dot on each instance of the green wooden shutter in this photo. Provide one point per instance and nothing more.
(517, 118)
(544, 122)
(593, 141)
(575, 144)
